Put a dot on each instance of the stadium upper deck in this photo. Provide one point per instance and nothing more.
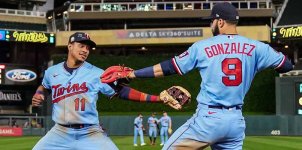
(109, 14)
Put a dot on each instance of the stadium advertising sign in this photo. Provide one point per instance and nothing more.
(35, 37)
(21, 75)
(287, 32)
(299, 98)
(2, 35)
(28, 37)
(12, 97)
(179, 33)
(8, 131)
(13, 74)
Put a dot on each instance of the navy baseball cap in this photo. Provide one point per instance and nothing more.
(82, 37)
(225, 11)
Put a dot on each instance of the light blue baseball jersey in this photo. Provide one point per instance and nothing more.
(152, 121)
(74, 95)
(165, 121)
(234, 62)
(139, 122)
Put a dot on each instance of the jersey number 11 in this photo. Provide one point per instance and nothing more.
(79, 102)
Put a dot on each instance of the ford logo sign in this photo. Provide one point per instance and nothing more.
(21, 75)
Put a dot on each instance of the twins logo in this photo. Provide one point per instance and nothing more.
(60, 92)
(87, 36)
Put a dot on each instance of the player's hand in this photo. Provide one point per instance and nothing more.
(37, 99)
(170, 131)
(144, 130)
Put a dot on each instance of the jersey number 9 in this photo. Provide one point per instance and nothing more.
(232, 68)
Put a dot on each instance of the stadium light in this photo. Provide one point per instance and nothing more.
(143, 48)
(2, 66)
(274, 34)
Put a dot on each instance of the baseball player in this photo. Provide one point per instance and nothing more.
(152, 125)
(139, 129)
(74, 86)
(166, 123)
(227, 64)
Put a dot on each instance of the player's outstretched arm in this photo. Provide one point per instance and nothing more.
(285, 66)
(175, 96)
(164, 68)
(38, 97)
(115, 73)
(128, 93)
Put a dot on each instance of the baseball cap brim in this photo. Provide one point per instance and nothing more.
(88, 42)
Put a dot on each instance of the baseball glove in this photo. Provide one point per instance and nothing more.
(114, 73)
(170, 131)
(175, 97)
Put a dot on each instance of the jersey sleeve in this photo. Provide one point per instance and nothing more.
(107, 90)
(186, 61)
(267, 57)
(45, 80)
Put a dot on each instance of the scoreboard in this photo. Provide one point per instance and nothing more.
(298, 98)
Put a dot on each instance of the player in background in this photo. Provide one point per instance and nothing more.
(166, 123)
(74, 86)
(139, 130)
(152, 125)
(227, 64)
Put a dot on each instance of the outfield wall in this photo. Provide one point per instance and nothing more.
(255, 125)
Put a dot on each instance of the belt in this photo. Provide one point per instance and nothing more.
(75, 126)
(225, 107)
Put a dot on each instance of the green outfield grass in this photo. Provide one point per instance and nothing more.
(183, 113)
(125, 143)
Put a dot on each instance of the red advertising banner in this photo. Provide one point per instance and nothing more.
(9, 131)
